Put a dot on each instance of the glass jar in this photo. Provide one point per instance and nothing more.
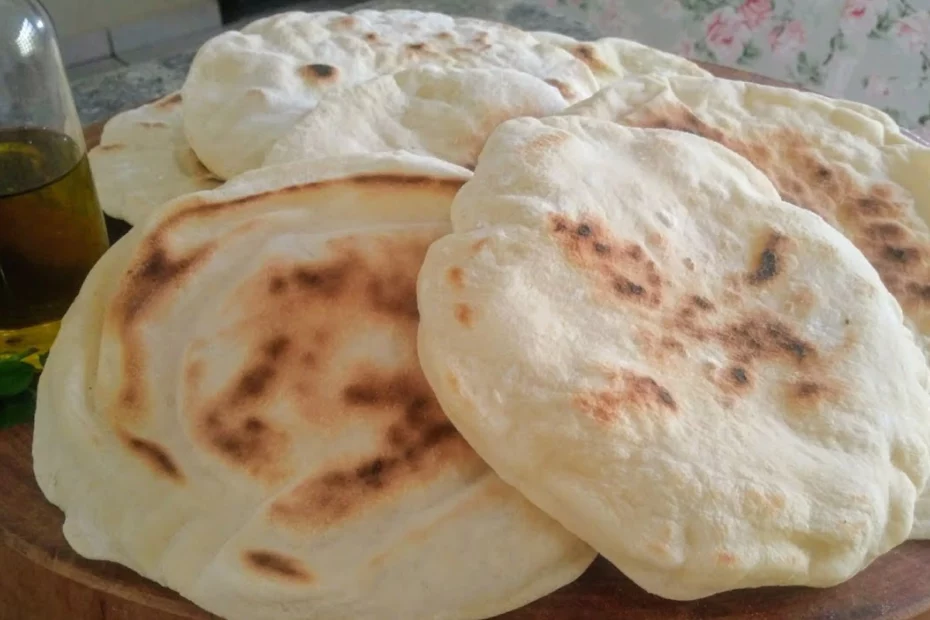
(52, 230)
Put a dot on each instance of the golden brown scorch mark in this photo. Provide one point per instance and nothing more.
(725, 558)
(453, 382)
(769, 262)
(541, 146)
(587, 53)
(319, 73)
(155, 456)
(456, 277)
(345, 22)
(810, 394)
(735, 380)
(622, 269)
(277, 566)
(464, 314)
(478, 245)
(246, 442)
(762, 338)
(412, 445)
(169, 101)
(567, 92)
(628, 393)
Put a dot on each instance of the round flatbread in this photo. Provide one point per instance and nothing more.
(843, 160)
(247, 89)
(710, 386)
(442, 112)
(143, 161)
(234, 408)
(612, 58)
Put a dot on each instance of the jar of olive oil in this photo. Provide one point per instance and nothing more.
(52, 230)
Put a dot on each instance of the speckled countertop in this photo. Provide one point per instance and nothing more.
(101, 96)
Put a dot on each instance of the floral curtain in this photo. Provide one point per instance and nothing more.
(875, 51)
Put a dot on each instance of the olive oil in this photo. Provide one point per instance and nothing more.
(52, 232)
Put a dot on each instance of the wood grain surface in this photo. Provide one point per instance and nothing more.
(41, 578)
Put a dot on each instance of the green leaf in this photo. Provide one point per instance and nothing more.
(42, 359)
(18, 356)
(816, 76)
(838, 42)
(804, 68)
(884, 22)
(15, 377)
(808, 70)
(750, 53)
(701, 48)
(19, 409)
(882, 27)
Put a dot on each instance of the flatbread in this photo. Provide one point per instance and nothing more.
(234, 408)
(612, 58)
(710, 386)
(247, 89)
(143, 160)
(442, 112)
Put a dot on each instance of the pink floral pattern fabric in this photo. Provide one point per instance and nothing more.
(874, 51)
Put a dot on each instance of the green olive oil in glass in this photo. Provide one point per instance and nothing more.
(51, 227)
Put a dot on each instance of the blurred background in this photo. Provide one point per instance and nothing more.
(875, 51)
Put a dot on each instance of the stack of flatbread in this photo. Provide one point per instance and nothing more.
(312, 85)
(421, 313)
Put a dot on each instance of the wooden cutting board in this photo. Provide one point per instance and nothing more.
(41, 578)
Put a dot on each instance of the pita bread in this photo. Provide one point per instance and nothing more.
(710, 386)
(245, 90)
(242, 372)
(442, 112)
(143, 160)
(612, 58)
